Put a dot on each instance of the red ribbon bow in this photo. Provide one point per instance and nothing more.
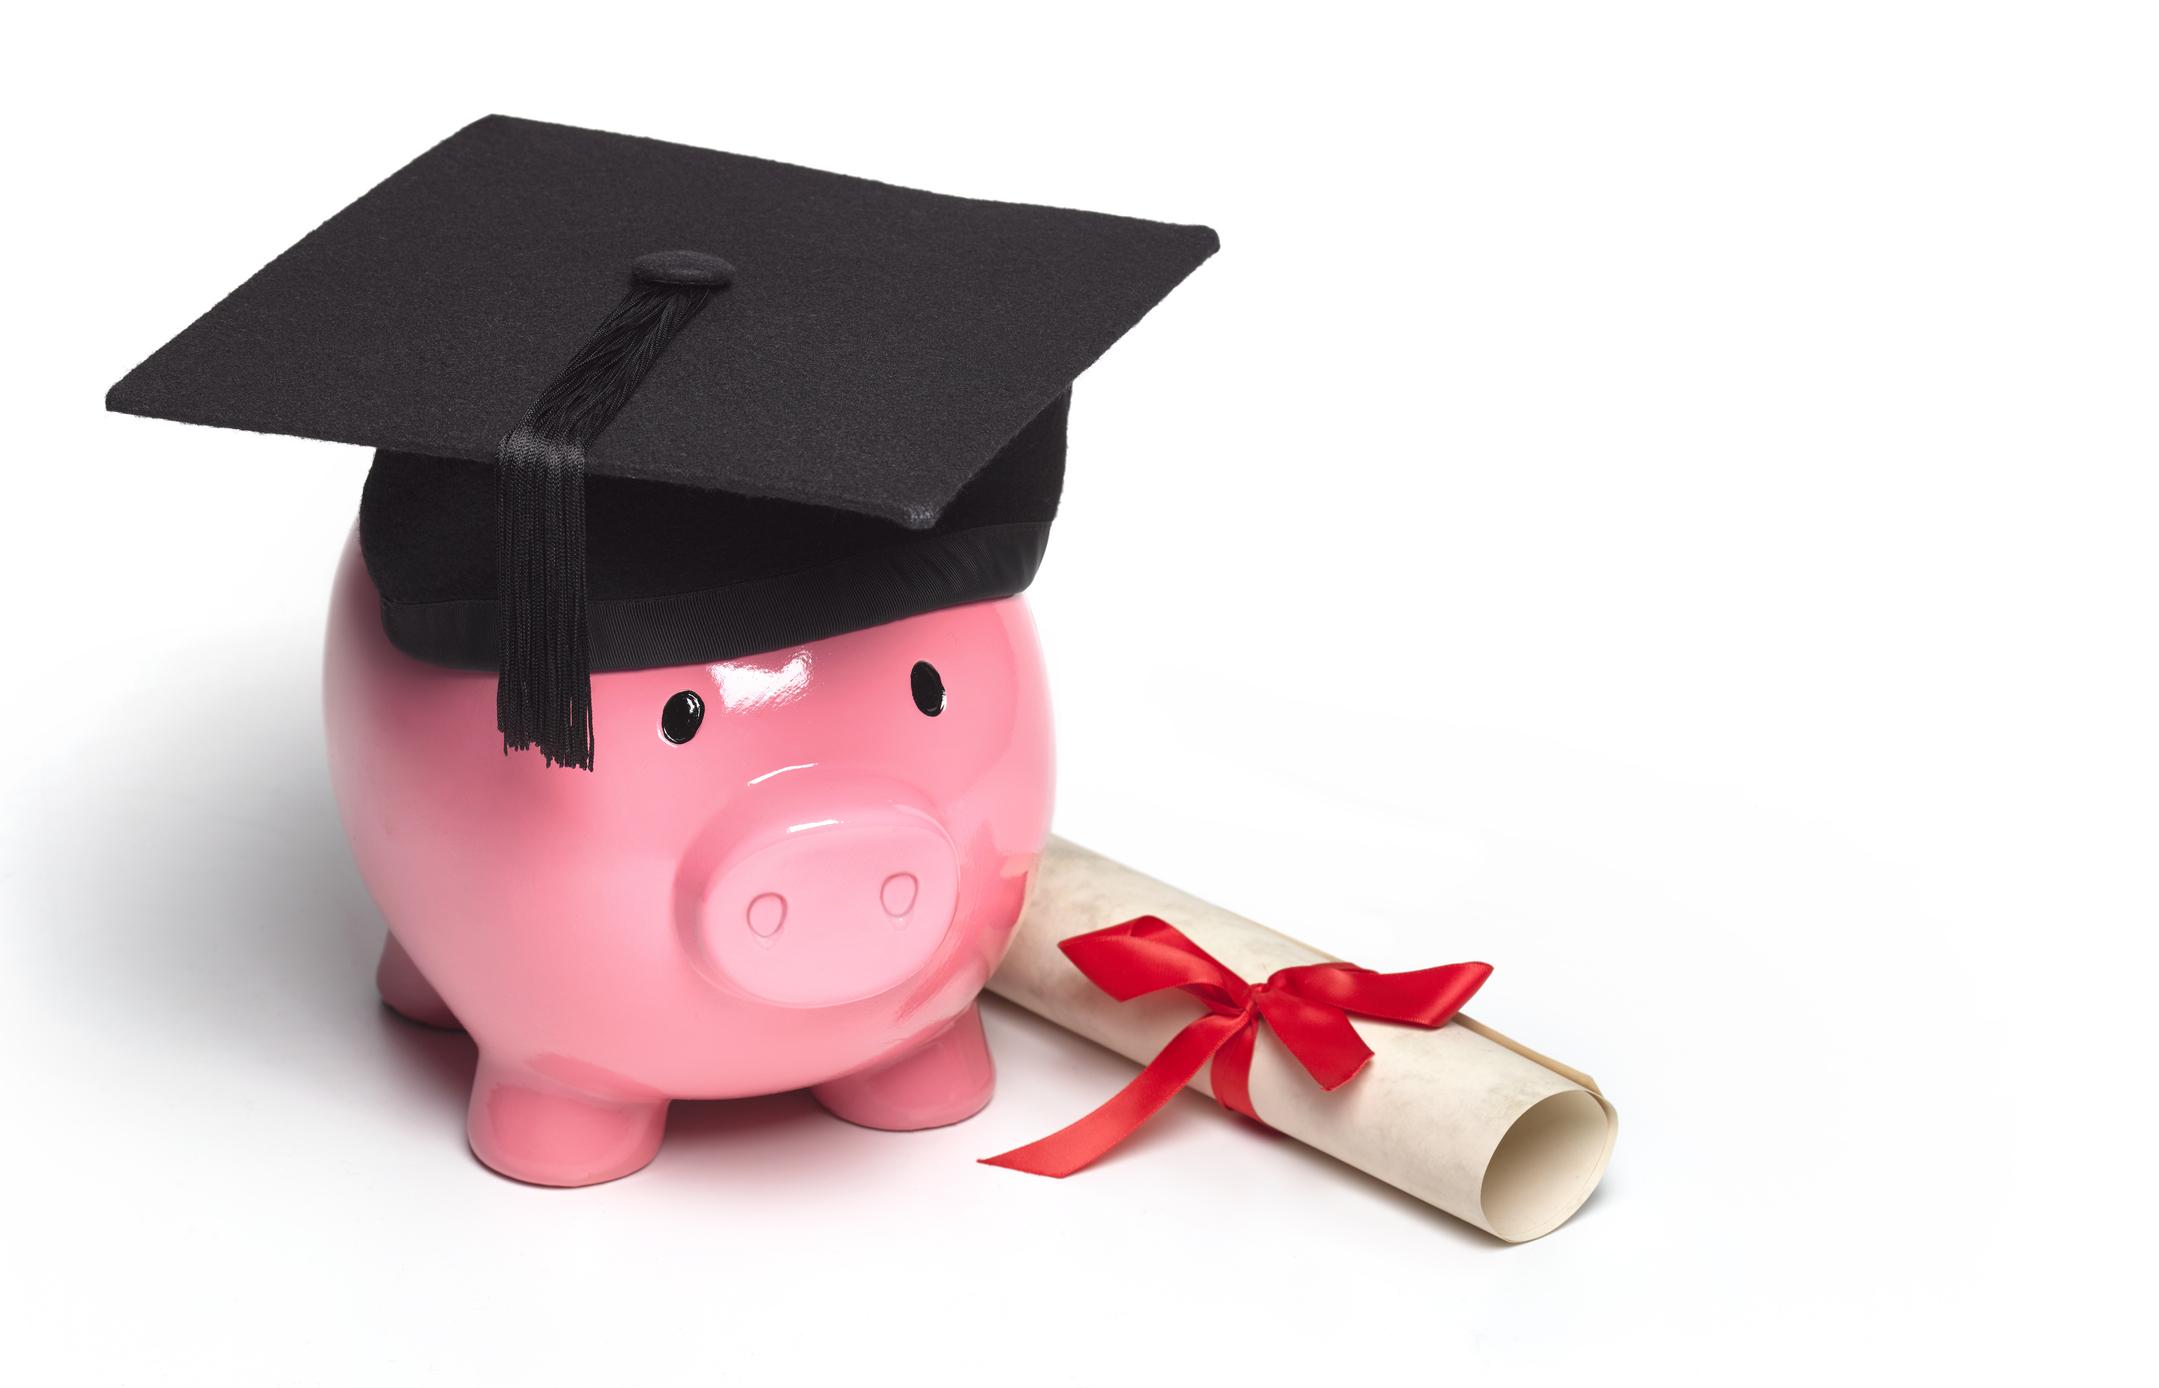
(1307, 1006)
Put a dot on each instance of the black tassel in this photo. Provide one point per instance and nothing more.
(543, 696)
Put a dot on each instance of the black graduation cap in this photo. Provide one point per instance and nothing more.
(860, 418)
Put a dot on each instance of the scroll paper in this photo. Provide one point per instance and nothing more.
(1460, 1117)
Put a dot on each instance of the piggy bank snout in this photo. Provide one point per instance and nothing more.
(825, 908)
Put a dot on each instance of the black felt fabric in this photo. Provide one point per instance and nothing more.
(681, 575)
(876, 347)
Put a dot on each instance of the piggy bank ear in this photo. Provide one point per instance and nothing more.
(928, 687)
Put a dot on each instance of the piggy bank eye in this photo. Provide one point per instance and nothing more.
(929, 689)
(679, 720)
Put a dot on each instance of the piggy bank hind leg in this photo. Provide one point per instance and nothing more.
(947, 1078)
(406, 990)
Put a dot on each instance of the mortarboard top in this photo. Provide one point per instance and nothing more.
(807, 403)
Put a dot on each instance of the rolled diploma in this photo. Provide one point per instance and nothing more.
(1459, 1116)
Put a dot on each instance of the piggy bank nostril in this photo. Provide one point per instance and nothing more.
(898, 893)
(767, 914)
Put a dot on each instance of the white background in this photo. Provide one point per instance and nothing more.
(1658, 497)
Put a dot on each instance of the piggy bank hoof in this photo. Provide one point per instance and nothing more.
(946, 1079)
(535, 1130)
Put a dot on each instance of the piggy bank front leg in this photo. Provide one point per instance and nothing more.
(947, 1078)
(535, 1129)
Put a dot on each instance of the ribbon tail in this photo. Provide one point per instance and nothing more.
(1076, 1146)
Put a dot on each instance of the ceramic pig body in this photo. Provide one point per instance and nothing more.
(808, 890)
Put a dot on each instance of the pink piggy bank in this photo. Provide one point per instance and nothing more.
(795, 870)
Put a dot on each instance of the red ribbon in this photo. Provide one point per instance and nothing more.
(1307, 1006)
